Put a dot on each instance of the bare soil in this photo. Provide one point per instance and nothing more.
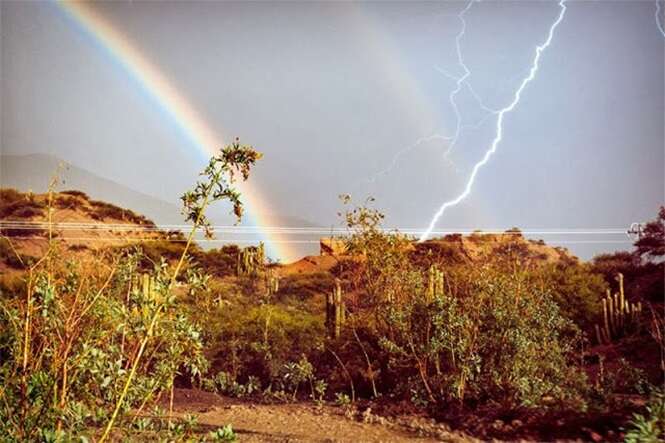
(304, 422)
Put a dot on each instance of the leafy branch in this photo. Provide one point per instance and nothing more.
(220, 175)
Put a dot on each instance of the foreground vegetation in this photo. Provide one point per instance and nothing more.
(504, 345)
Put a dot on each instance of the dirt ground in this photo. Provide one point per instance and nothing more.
(304, 422)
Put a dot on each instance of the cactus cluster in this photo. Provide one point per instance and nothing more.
(434, 283)
(251, 260)
(335, 311)
(619, 315)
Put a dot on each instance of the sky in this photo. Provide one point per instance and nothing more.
(335, 93)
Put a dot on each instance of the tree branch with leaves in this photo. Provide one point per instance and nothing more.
(220, 175)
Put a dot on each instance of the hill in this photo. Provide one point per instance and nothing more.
(32, 173)
(83, 223)
(454, 249)
(480, 247)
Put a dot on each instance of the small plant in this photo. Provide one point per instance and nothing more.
(625, 378)
(226, 384)
(649, 427)
(320, 387)
(224, 433)
(342, 399)
(296, 373)
(143, 424)
(190, 421)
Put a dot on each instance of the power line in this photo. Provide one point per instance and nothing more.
(235, 241)
(294, 230)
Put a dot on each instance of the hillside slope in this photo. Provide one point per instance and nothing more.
(32, 173)
(85, 225)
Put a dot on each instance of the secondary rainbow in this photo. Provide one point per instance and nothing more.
(192, 125)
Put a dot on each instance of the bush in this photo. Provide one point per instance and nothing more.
(153, 251)
(20, 210)
(83, 344)
(66, 202)
(14, 204)
(259, 340)
(575, 288)
(500, 339)
(8, 255)
(445, 251)
(481, 334)
(10, 195)
(307, 286)
(75, 193)
(158, 249)
(219, 262)
(226, 384)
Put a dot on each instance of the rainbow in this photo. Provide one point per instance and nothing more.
(190, 123)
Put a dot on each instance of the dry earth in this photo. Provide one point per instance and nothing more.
(304, 422)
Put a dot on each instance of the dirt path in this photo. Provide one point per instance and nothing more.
(303, 422)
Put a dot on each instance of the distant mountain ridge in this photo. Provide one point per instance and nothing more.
(32, 172)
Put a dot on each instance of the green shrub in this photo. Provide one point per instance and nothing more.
(649, 427)
(575, 288)
(489, 333)
(226, 384)
(500, 339)
(224, 433)
(220, 262)
(259, 340)
(84, 343)
(304, 287)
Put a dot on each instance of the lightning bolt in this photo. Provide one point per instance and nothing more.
(499, 125)
(658, 23)
(460, 83)
(403, 151)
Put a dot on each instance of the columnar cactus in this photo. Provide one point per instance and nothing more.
(619, 315)
(250, 260)
(434, 283)
(335, 311)
(147, 287)
(272, 283)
